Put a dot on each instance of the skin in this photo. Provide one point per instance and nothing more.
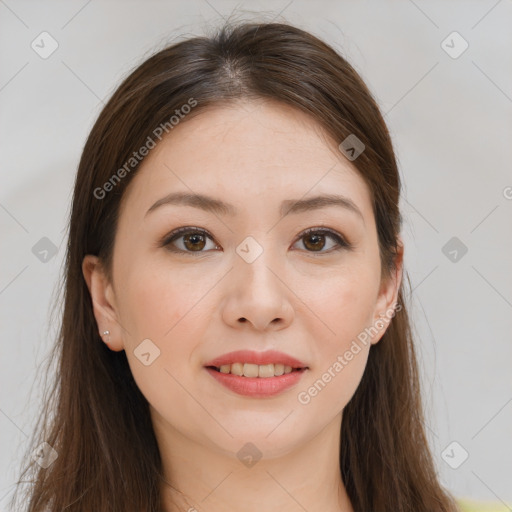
(310, 303)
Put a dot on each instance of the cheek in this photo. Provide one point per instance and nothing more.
(343, 306)
(330, 389)
(156, 302)
(165, 307)
(341, 362)
(161, 310)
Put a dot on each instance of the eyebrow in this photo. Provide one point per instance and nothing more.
(289, 206)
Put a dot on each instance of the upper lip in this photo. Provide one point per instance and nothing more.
(259, 358)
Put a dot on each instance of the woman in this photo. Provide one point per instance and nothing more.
(234, 334)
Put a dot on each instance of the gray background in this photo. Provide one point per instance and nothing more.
(450, 119)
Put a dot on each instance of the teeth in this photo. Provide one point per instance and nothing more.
(278, 369)
(250, 370)
(266, 370)
(237, 369)
(254, 370)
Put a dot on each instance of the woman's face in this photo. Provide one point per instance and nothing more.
(246, 277)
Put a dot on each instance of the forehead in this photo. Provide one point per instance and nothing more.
(245, 151)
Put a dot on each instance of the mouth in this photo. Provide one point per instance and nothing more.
(250, 370)
(257, 374)
(257, 381)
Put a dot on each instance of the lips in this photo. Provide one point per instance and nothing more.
(257, 374)
(258, 358)
(257, 387)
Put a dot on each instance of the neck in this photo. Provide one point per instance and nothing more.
(199, 477)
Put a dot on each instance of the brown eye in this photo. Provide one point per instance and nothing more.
(315, 240)
(194, 242)
(187, 240)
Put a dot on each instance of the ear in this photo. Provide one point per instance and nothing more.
(103, 302)
(386, 304)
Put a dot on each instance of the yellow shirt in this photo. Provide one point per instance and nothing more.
(481, 506)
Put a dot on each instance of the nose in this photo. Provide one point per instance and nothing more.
(258, 295)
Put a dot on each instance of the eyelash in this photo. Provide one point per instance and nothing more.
(178, 233)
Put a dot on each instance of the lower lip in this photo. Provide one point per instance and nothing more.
(257, 387)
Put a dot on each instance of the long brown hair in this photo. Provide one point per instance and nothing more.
(96, 418)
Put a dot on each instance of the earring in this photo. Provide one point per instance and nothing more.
(106, 333)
